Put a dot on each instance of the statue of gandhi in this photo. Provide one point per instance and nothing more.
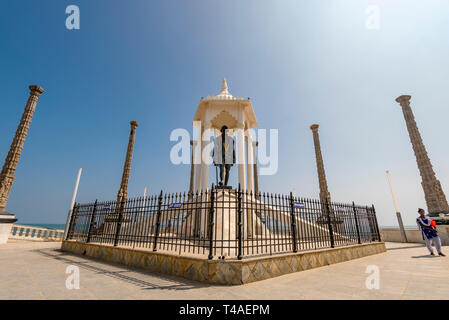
(224, 155)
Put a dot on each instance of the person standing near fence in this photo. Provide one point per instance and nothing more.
(429, 233)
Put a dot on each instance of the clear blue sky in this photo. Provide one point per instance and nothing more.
(151, 61)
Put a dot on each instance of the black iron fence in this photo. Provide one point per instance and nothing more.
(223, 223)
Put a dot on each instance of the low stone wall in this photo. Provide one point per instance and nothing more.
(227, 272)
(413, 235)
(34, 233)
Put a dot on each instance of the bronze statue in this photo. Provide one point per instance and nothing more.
(224, 155)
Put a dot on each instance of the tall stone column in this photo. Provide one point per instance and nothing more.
(192, 170)
(241, 156)
(205, 157)
(10, 165)
(197, 157)
(250, 163)
(433, 193)
(122, 194)
(7, 174)
(256, 175)
(324, 192)
(116, 219)
(205, 167)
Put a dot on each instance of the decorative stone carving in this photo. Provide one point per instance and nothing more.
(433, 193)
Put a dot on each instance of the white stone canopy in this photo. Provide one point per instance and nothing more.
(238, 115)
(224, 104)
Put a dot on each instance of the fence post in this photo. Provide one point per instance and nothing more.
(211, 223)
(377, 225)
(239, 217)
(292, 217)
(72, 220)
(329, 224)
(119, 221)
(92, 219)
(372, 227)
(356, 223)
(158, 221)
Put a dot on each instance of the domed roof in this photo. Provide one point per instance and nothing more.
(224, 93)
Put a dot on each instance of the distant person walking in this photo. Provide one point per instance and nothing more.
(429, 233)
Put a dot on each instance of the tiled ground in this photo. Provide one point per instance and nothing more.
(37, 270)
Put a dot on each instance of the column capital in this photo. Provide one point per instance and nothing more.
(36, 90)
(314, 127)
(134, 124)
(403, 100)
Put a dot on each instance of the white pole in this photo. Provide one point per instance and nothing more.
(393, 194)
(72, 203)
(144, 198)
(396, 207)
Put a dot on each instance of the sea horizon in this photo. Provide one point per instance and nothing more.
(59, 226)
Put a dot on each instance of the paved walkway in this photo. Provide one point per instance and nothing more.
(37, 270)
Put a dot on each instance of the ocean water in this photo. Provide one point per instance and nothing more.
(45, 225)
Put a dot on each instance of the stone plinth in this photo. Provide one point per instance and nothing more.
(223, 272)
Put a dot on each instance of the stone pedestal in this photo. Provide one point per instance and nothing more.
(6, 222)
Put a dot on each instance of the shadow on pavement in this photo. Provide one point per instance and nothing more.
(424, 256)
(407, 247)
(174, 283)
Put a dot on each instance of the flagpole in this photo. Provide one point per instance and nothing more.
(144, 198)
(72, 203)
(396, 207)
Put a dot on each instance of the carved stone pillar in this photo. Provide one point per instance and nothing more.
(7, 174)
(122, 194)
(324, 192)
(433, 193)
(10, 165)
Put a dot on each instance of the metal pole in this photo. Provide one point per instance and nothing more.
(211, 223)
(72, 203)
(398, 213)
(119, 221)
(72, 220)
(158, 221)
(292, 217)
(239, 217)
(92, 220)
(329, 225)
(375, 222)
(356, 223)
